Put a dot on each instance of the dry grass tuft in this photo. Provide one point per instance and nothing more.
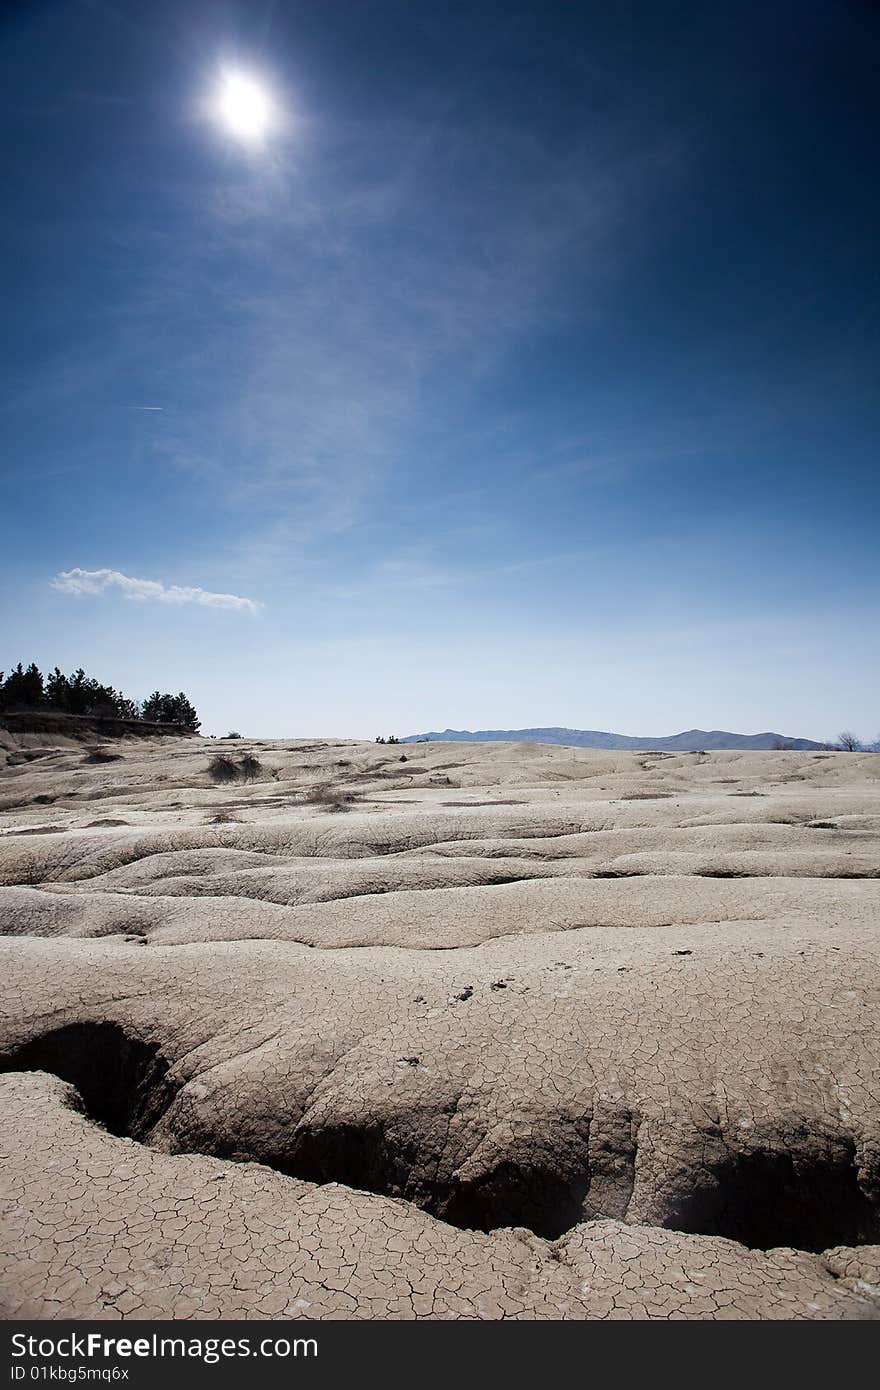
(249, 767)
(222, 768)
(330, 797)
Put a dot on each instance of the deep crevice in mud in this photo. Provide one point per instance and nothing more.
(528, 1192)
(121, 1078)
(809, 1198)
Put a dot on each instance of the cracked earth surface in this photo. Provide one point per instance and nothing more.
(525, 1032)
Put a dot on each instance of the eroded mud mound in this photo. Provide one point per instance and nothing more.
(629, 1020)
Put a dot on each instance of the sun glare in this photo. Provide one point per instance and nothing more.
(244, 107)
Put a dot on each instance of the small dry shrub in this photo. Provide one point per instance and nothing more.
(221, 768)
(249, 767)
(330, 797)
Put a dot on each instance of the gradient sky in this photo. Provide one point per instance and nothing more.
(525, 374)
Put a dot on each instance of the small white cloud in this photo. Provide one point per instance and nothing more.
(79, 581)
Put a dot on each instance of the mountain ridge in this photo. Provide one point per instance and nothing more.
(689, 741)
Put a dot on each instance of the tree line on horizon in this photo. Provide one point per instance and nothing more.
(25, 688)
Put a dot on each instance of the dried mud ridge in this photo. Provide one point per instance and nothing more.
(599, 1038)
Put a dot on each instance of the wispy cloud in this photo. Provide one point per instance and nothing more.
(375, 301)
(406, 571)
(79, 581)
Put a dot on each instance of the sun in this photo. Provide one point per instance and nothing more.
(244, 107)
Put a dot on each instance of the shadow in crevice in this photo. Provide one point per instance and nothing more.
(520, 1194)
(121, 1077)
(534, 1189)
(810, 1199)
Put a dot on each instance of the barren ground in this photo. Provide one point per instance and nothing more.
(517, 1032)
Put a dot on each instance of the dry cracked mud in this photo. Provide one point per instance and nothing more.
(442, 1031)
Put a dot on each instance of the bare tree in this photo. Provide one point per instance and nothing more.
(847, 742)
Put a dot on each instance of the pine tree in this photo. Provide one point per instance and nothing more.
(186, 714)
(171, 709)
(57, 690)
(151, 709)
(23, 689)
(77, 692)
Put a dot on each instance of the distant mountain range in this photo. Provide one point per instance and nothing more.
(691, 741)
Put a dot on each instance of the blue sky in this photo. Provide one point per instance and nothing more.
(524, 373)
